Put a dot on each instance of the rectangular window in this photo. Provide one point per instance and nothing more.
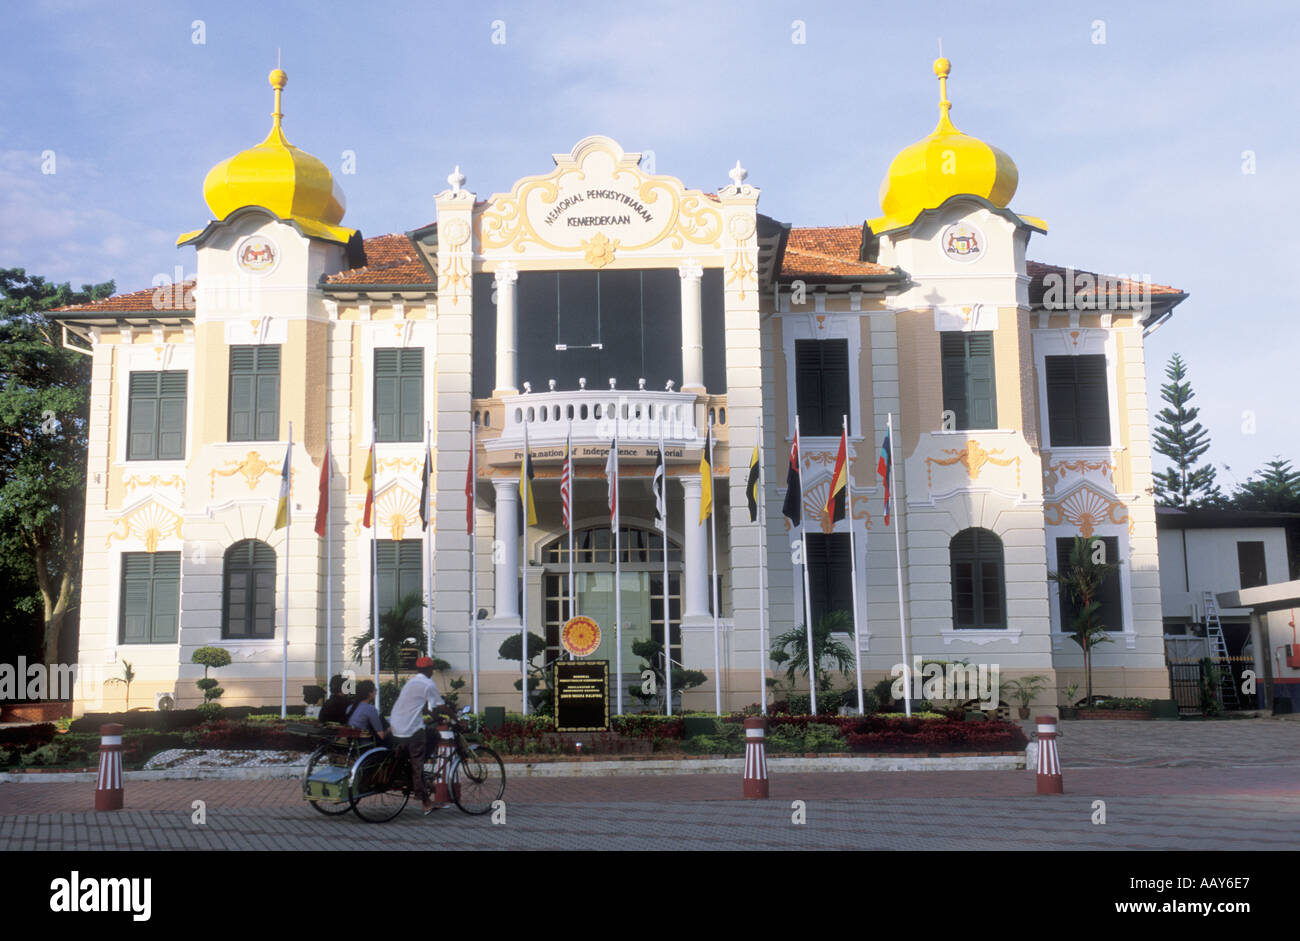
(830, 574)
(968, 390)
(1250, 564)
(254, 393)
(1111, 613)
(822, 386)
(1078, 404)
(155, 424)
(399, 394)
(151, 597)
(401, 568)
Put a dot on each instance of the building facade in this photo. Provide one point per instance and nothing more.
(596, 301)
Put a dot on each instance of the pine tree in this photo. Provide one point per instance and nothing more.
(1275, 488)
(1182, 439)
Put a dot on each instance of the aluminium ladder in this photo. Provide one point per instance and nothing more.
(1219, 650)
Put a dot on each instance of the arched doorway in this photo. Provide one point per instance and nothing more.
(642, 572)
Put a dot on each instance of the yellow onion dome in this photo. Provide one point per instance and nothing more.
(943, 164)
(276, 176)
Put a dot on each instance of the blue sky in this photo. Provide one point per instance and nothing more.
(1132, 150)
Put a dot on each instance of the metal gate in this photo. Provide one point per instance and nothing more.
(1185, 686)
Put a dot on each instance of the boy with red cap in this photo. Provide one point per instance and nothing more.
(407, 723)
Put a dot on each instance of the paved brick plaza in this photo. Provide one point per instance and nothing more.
(1220, 785)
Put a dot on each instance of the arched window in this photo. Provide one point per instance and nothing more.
(979, 590)
(248, 591)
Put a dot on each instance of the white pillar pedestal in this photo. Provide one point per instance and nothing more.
(695, 556)
(507, 550)
(507, 377)
(692, 327)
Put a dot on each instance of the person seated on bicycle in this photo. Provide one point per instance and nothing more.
(363, 714)
(418, 695)
(336, 707)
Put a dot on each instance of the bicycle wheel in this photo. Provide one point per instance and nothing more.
(478, 779)
(378, 792)
(326, 755)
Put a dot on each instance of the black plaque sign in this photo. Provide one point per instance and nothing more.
(582, 695)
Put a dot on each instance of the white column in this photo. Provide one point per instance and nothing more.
(695, 559)
(507, 548)
(692, 327)
(507, 381)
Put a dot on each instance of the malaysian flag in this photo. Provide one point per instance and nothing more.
(611, 474)
(566, 484)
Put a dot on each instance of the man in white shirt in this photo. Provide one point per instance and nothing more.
(407, 723)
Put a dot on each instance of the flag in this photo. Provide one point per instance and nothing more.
(469, 496)
(323, 505)
(792, 509)
(838, 496)
(368, 475)
(751, 488)
(884, 467)
(526, 486)
(706, 479)
(282, 508)
(566, 485)
(424, 493)
(661, 504)
(611, 474)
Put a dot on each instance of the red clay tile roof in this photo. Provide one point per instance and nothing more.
(141, 301)
(390, 259)
(1114, 285)
(826, 251)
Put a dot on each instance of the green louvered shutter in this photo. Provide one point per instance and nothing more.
(1078, 403)
(142, 417)
(953, 350)
(401, 571)
(399, 394)
(151, 592)
(387, 385)
(171, 416)
(969, 391)
(821, 386)
(254, 393)
(412, 395)
(249, 591)
(1093, 402)
(166, 597)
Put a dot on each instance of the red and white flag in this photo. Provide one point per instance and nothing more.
(611, 474)
(323, 506)
(566, 484)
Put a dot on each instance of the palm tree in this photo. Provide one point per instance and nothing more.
(398, 625)
(791, 648)
(127, 678)
(1082, 581)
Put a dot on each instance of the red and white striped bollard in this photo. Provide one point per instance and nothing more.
(108, 786)
(1049, 759)
(755, 758)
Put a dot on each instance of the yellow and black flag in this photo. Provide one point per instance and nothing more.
(751, 488)
(526, 487)
(706, 477)
(837, 498)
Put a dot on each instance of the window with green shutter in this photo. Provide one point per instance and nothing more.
(151, 597)
(401, 570)
(822, 386)
(830, 574)
(248, 591)
(979, 591)
(1078, 403)
(968, 386)
(155, 424)
(399, 394)
(1111, 612)
(254, 393)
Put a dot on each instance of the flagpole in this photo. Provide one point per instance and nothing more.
(853, 562)
(807, 591)
(762, 579)
(618, 578)
(329, 563)
(568, 451)
(668, 607)
(374, 561)
(284, 640)
(898, 550)
(473, 558)
(523, 555)
(427, 498)
(713, 532)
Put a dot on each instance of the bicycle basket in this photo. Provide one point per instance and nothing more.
(328, 783)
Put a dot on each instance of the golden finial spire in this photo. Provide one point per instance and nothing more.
(941, 68)
(278, 81)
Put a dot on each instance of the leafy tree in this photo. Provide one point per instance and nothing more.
(540, 693)
(1182, 439)
(1082, 580)
(1275, 487)
(651, 653)
(791, 648)
(401, 623)
(44, 417)
(210, 658)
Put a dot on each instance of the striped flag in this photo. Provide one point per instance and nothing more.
(566, 484)
(368, 475)
(706, 478)
(659, 486)
(837, 497)
(282, 508)
(885, 467)
(751, 487)
(425, 493)
(323, 505)
(469, 490)
(611, 475)
(792, 508)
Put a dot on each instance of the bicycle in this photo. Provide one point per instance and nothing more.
(474, 773)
